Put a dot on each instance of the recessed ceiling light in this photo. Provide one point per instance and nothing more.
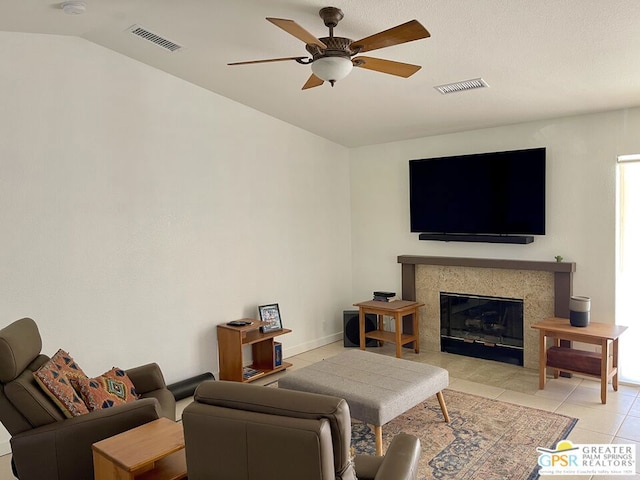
(74, 7)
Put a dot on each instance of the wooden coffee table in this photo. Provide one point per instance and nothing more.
(153, 451)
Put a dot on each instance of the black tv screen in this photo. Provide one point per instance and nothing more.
(497, 193)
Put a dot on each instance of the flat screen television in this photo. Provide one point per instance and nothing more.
(499, 193)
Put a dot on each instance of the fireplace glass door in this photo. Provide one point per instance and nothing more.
(483, 327)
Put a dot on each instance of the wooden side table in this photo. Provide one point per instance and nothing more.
(153, 451)
(602, 334)
(396, 309)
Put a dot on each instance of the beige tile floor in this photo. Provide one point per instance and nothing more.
(616, 422)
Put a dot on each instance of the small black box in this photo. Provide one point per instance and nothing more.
(384, 294)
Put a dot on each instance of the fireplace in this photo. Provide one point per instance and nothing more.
(545, 288)
(482, 327)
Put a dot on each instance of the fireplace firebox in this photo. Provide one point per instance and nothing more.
(482, 327)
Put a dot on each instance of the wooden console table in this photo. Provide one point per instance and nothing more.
(154, 450)
(573, 360)
(396, 309)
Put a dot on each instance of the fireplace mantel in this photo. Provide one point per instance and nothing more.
(563, 274)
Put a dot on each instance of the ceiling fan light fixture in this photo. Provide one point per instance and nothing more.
(332, 69)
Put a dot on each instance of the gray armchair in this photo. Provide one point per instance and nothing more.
(45, 444)
(236, 431)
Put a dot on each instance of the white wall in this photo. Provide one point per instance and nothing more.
(139, 211)
(581, 177)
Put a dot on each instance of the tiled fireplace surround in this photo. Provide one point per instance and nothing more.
(545, 288)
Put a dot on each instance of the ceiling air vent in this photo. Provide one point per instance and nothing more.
(154, 38)
(462, 86)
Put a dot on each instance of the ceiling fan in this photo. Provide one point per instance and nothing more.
(331, 57)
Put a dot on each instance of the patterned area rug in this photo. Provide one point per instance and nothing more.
(486, 439)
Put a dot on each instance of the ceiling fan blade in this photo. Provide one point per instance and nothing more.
(407, 32)
(267, 60)
(313, 81)
(296, 30)
(386, 66)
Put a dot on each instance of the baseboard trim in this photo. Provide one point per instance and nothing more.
(305, 347)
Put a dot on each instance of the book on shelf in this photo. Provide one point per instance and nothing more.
(248, 372)
(277, 354)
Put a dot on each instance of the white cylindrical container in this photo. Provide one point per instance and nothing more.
(579, 310)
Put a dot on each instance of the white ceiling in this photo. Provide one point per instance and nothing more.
(542, 58)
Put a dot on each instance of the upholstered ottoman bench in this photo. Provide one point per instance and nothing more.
(377, 388)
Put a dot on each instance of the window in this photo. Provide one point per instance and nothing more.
(628, 264)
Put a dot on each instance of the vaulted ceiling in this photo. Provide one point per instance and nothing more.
(541, 59)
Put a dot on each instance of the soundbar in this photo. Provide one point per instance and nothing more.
(460, 237)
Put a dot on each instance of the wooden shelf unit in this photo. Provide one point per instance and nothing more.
(231, 341)
(390, 337)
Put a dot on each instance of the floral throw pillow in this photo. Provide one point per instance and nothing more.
(55, 376)
(108, 390)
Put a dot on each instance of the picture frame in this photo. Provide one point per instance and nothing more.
(271, 314)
